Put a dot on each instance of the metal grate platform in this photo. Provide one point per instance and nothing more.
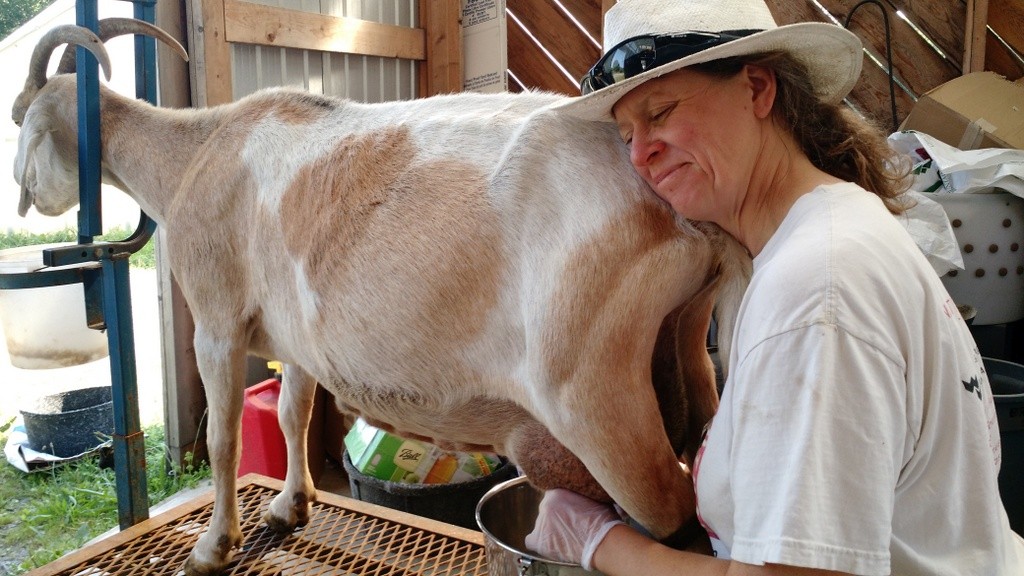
(343, 537)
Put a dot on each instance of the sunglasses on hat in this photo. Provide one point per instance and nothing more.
(639, 54)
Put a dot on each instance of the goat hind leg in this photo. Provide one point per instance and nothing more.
(290, 508)
(221, 360)
(624, 446)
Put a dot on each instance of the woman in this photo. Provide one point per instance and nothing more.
(856, 432)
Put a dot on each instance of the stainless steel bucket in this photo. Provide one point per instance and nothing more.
(506, 514)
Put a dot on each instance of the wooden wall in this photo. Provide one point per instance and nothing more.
(937, 41)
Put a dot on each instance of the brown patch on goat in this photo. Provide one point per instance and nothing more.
(303, 108)
(289, 107)
(591, 288)
(371, 209)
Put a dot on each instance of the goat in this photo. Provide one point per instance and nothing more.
(474, 270)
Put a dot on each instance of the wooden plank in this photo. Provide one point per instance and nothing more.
(871, 96)
(605, 5)
(532, 66)
(557, 33)
(1001, 61)
(942, 21)
(588, 14)
(442, 71)
(917, 64)
(214, 64)
(975, 33)
(514, 85)
(184, 398)
(250, 23)
(1006, 18)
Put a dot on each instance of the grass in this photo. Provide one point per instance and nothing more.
(144, 258)
(45, 514)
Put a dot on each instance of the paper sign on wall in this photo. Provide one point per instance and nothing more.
(485, 42)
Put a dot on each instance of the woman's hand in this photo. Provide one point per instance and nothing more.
(569, 527)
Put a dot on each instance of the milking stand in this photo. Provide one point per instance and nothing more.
(102, 267)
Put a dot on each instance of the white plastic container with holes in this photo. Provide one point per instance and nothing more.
(989, 229)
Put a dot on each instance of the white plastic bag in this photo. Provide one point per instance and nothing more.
(939, 167)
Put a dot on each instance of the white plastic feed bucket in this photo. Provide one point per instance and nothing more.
(45, 327)
(506, 514)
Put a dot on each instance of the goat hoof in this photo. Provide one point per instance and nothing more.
(221, 557)
(280, 525)
(194, 567)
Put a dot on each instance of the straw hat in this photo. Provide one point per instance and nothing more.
(831, 54)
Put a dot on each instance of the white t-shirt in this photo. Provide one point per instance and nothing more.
(857, 430)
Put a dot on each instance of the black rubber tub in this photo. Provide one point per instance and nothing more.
(454, 503)
(69, 423)
(1007, 381)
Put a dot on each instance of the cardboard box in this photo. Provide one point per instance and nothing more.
(978, 110)
(379, 454)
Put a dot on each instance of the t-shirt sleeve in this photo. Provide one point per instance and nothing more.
(818, 428)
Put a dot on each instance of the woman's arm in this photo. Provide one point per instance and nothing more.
(574, 528)
(626, 552)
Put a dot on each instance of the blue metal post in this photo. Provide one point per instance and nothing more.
(145, 53)
(89, 220)
(128, 440)
(129, 443)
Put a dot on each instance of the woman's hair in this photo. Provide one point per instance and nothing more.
(833, 136)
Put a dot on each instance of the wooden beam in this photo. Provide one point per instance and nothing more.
(182, 388)
(588, 13)
(557, 32)
(974, 36)
(532, 67)
(941, 20)
(918, 66)
(249, 23)
(605, 5)
(1006, 18)
(212, 55)
(442, 22)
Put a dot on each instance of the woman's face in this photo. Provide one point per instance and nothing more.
(695, 139)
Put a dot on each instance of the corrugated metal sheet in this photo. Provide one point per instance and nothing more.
(363, 78)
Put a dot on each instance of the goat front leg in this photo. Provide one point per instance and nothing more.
(221, 360)
(290, 508)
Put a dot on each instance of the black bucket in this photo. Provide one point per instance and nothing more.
(454, 503)
(1007, 381)
(70, 423)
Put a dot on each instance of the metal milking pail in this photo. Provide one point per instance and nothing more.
(506, 514)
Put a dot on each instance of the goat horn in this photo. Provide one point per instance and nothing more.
(112, 27)
(67, 34)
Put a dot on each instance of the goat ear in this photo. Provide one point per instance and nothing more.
(26, 195)
(28, 172)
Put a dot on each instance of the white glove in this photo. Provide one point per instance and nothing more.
(569, 527)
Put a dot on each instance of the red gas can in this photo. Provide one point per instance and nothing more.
(263, 447)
